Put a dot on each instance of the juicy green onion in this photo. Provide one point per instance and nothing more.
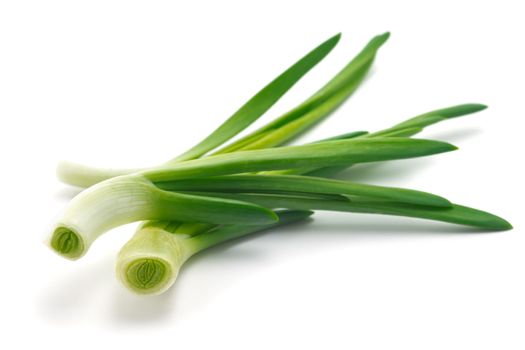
(194, 203)
(149, 263)
(131, 198)
(312, 111)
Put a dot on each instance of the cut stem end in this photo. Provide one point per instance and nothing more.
(148, 275)
(67, 243)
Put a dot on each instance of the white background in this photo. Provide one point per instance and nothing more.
(132, 83)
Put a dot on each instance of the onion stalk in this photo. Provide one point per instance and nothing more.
(131, 198)
(150, 262)
(137, 197)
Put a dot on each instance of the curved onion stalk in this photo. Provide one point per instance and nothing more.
(131, 198)
(455, 213)
(302, 185)
(149, 263)
(66, 239)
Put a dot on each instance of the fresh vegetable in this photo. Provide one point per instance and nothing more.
(142, 239)
(206, 196)
(129, 198)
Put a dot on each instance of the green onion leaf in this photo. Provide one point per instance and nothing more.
(261, 102)
(301, 184)
(315, 108)
(333, 153)
(455, 213)
(429, 118)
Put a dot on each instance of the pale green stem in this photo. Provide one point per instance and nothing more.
(149, 263)
(84, 176)
(132, 198)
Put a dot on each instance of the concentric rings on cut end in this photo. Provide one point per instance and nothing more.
(147, 275)
(67, 243)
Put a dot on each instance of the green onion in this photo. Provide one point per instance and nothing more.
(200, 199)
(149, 263)
(135, 197)
(131, 198)
(290, 125)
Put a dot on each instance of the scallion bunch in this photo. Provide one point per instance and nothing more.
(215, 192)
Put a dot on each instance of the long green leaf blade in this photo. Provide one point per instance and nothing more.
(315, 108)
(456, 214)
(302, 184)
(225, 233)
(429, 118)
(191, 208)
(407, 128)
(324, 154)
(261, 102)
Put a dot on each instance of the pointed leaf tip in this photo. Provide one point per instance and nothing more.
(376, 42)
(459, 110)
(382, 38)
(469, 108)
(504, 225)
(261, 102)
(438, 146)
(332, 41)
